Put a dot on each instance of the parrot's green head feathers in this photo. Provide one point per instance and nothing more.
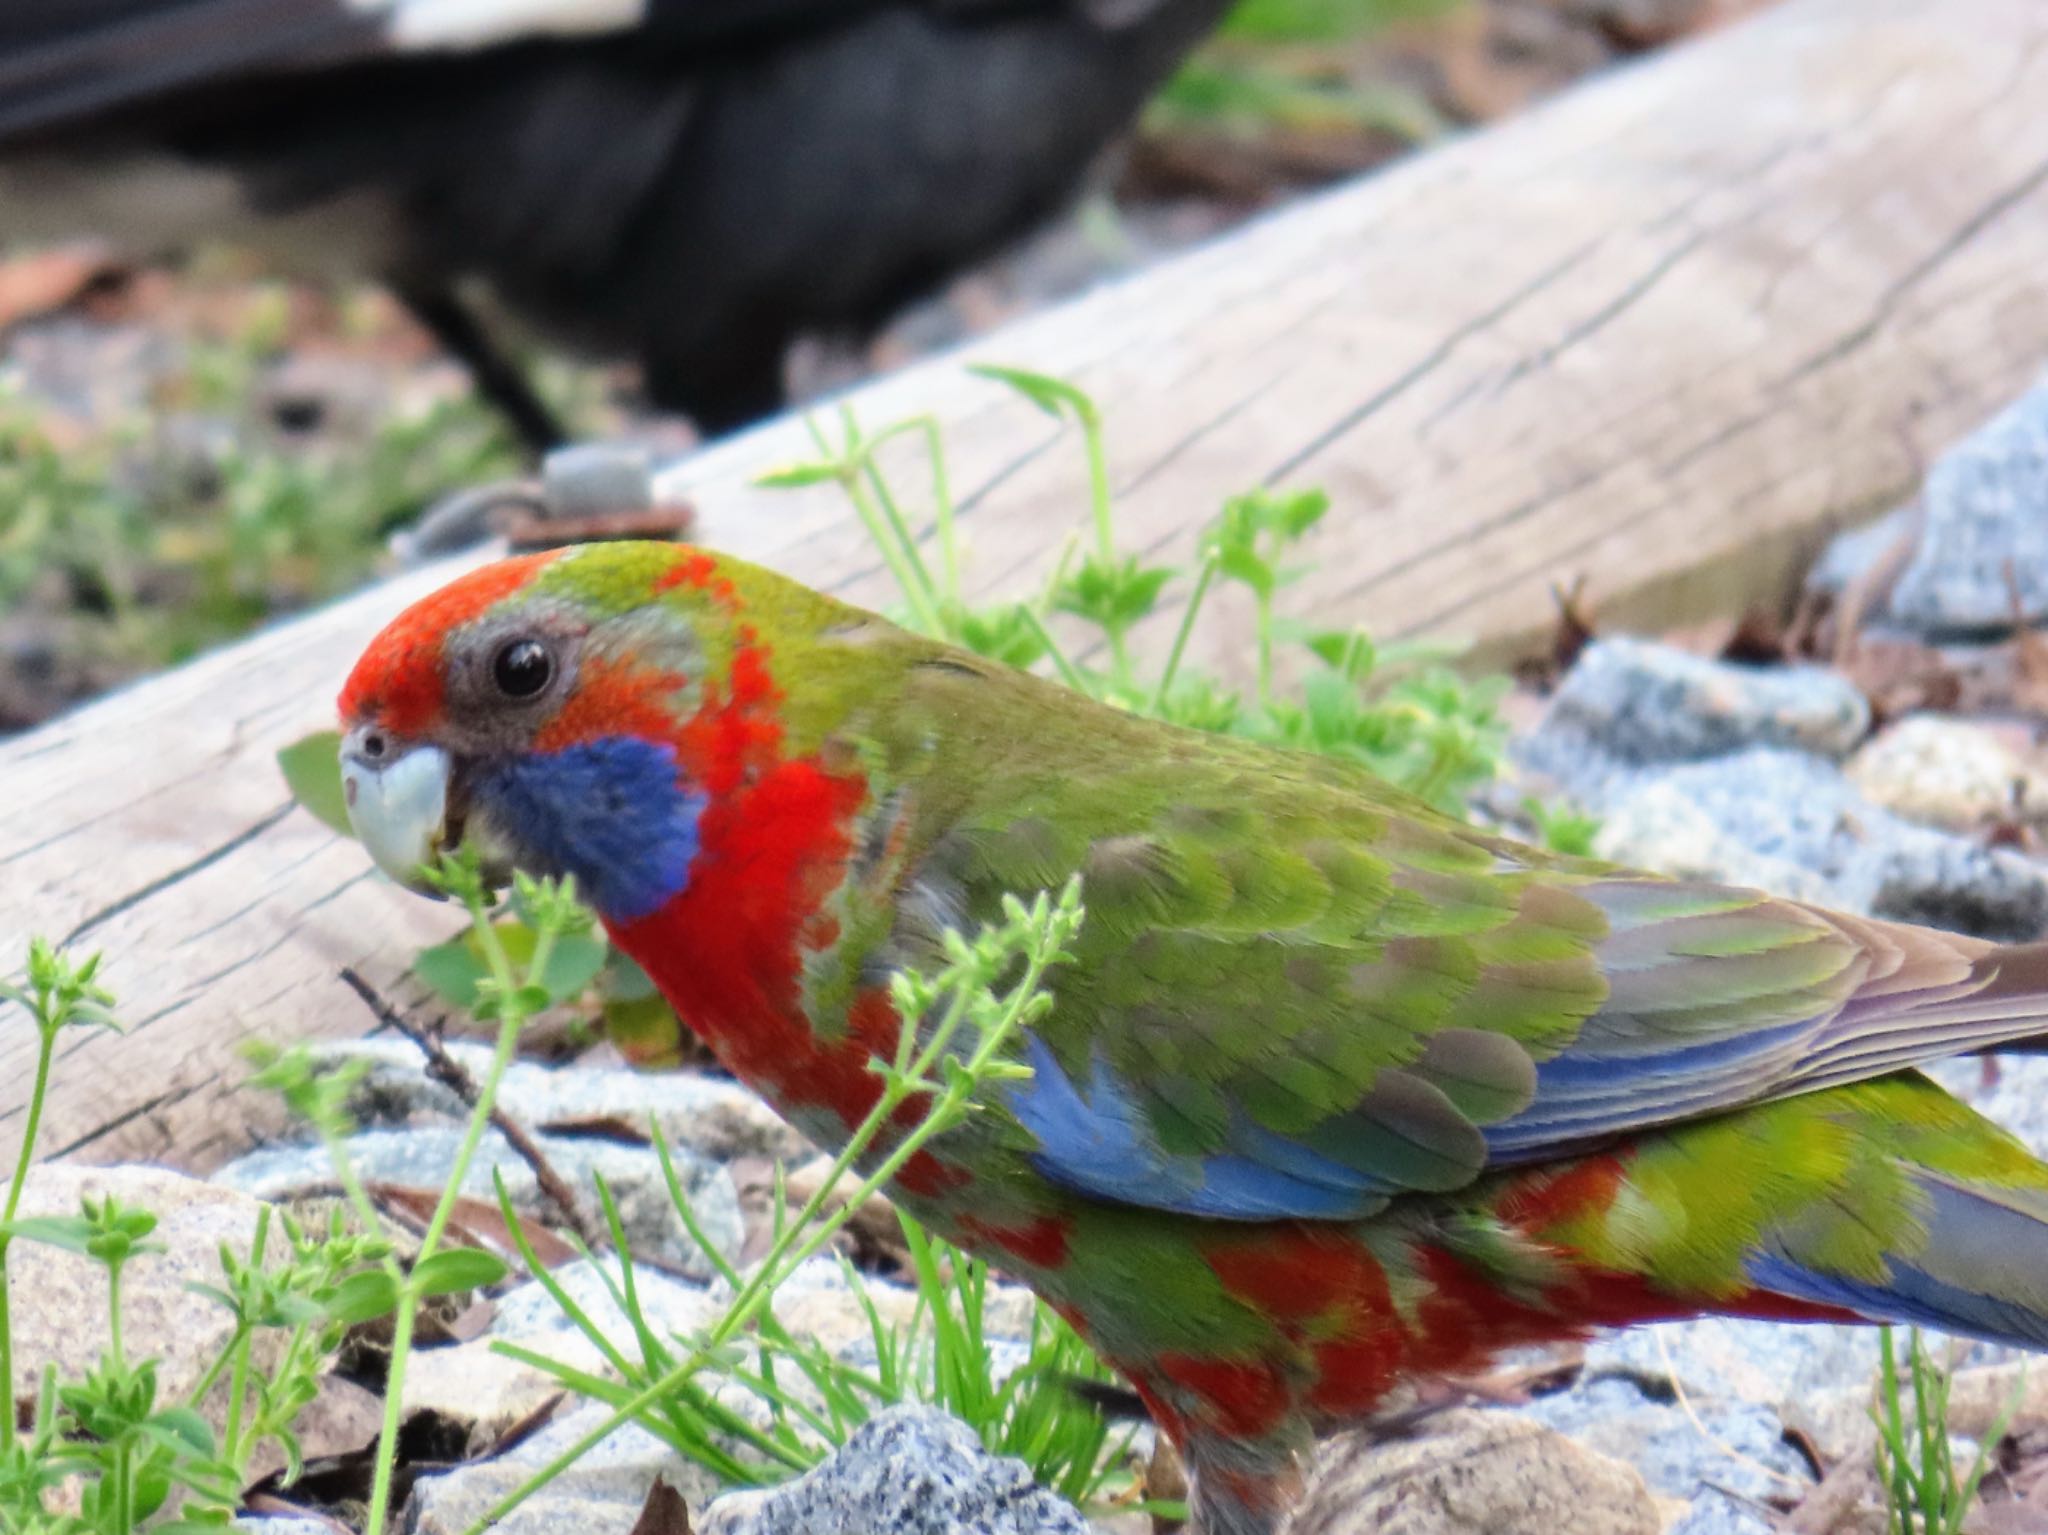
(572, 712)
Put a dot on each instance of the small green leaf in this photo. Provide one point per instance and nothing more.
(182, 1429)
(152, 1486)
(213, 1293)
(573, 965)
(1242, 565)
(364, 1297)
(312, 771)
(1295, 512)
(644, 1029)
(450, 971)
(1054, 396)
(73, 1233)
(1002, 632)
(796, 476)
(457, 1268)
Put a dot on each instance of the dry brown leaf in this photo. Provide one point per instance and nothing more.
(1902, 677)
(475, 1221)
(664, 1512)
(524, 1428)
(49, 280)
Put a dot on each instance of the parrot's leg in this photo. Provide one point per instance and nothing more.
(1238, 1489)
(1241, 1479)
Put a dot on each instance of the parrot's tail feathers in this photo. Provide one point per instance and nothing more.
(1981, 1273)
(1931, 994)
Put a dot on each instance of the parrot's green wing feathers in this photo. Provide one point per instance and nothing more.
(1300, 992)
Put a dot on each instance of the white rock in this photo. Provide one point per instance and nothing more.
(1948, 773)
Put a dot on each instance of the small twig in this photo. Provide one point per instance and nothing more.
(1684, 1401)
(449, 1072)
(1871, 586)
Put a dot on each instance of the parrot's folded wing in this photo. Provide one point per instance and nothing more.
(1272, 1021)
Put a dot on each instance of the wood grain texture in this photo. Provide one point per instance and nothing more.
(1661, 332)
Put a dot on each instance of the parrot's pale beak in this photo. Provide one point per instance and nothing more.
(398, 801)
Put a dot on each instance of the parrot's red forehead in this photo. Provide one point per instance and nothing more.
(398, 678)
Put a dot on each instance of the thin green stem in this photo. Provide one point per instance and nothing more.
(1119, 656)
(238, 1346)
(859, 461)
(394, 1406)
(1069, 673)
(1894, 1419)
(1059, 572)
(895, 555)
(46, 1046)
(1098, 483)
(1181, 636)
(358, 1197)
(238, 1390)
(943, 514)
(863, 451)
(122, 1476)
(1265, 626)
(114, 1350)
(510, 1019)
(1931, 1501)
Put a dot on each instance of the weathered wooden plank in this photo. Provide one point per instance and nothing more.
(1676, 322)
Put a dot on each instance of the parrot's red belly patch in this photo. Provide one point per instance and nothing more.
(1329, 1300)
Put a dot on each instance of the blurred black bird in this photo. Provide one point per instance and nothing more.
(692, 183)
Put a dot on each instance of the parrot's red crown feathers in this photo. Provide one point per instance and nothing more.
(398, 678)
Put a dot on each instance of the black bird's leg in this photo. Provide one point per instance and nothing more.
(498, 379)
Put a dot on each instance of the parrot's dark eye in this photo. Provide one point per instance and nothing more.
(522, 668)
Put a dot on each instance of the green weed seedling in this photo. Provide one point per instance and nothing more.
(111, 1431)
(1924, 1492)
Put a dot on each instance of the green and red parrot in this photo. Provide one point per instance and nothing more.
(1338, 1093)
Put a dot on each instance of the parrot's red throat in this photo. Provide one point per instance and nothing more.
(730, 950)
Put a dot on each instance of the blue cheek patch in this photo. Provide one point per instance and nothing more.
(608, 811)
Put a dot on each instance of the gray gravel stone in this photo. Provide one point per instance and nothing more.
(1948, 773)
(529, 1313)
(1714, 1513)
(423, 1158)
(1849, 555)
(1789, 822)
(908, 1471)
(1640, 702)
(1984, 543)
(1742, 1446)
(1728, 1359)
(601, 1494)
(712, 1115)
